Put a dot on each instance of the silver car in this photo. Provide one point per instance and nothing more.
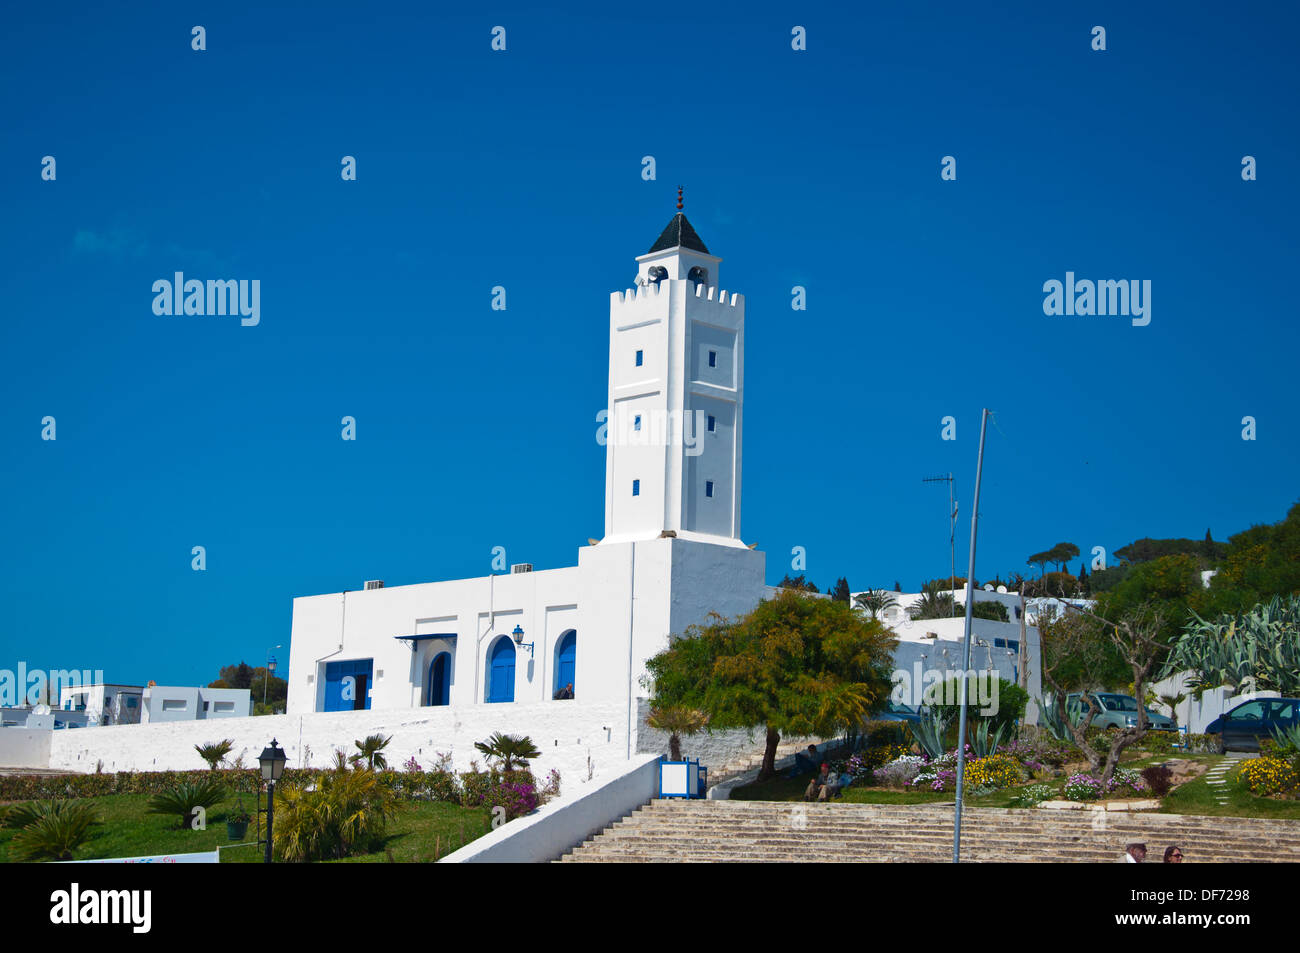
(1118, 712)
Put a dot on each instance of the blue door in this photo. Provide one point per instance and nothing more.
(347, 684)
(565, 657)
(439, 681)
(501, 673)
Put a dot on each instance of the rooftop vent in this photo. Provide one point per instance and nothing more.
(521, 567)
(374, 584)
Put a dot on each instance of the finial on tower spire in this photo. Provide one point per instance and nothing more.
(679, 198)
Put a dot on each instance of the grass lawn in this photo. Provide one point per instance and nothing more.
(421, 831)
(1198, 797)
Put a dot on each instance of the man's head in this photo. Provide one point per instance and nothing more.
(1137, 851)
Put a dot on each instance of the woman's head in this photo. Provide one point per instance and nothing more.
(1173, 854)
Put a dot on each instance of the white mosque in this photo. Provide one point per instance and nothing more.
(671, 553)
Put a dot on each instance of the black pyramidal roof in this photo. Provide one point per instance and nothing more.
(678, 232)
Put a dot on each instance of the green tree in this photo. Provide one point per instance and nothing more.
(676, 721)
(990, 609)
(797, 582)
(793, 666)
(509, 751)
(875, 601)
(371, 750)
(933, 604)
(840, 592)
(214, 752)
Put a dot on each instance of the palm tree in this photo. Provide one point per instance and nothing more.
(875, 601)
(676, 721)
(933, 604)
(509, 750)
(372, 750)
(214, 752)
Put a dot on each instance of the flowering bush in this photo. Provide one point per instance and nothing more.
(1042, 751)
(1032, 795)
(518, 797)
(995, 772)
(900, 772)
(1268, 774)
(1085, 787)
(412, 765)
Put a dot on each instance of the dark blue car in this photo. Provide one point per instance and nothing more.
(1242, 728)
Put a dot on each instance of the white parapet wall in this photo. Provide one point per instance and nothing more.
(567, 821)
(25, 747)
(579, 740)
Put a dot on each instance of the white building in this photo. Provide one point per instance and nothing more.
(671, 552)
(103, 704)
(177, 703)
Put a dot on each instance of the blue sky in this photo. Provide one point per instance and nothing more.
(523, 169)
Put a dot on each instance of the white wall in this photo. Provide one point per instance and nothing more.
(570, 735)
(567, 821)
(1195, 714)
(26, 747)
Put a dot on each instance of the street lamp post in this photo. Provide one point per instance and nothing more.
(270, 670)
(271, 761)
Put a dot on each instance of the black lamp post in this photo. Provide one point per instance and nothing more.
(272, 762)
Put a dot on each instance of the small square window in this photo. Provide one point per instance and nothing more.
(713, 423)
(636, 487)
(708, 488)
(636, 422)
(713, 359)
(640, 355)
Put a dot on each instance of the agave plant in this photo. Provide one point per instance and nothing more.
(509, 751)
(186, 797)
(983, 742)
(372, 751)
(1288, 739)
(51, 830)
(214, 752)
(928, 732)
(1258, 649)
(1051, 718)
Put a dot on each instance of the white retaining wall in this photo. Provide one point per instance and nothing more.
(25, 747)
(567, 821)
(573, 737)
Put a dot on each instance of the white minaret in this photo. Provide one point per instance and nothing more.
(676, 395)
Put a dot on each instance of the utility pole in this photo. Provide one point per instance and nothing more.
(952, 533)
(965, 668)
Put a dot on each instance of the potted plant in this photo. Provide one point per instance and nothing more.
(237, 823)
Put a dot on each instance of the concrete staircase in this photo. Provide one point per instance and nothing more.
(753, 760)
(749, 831)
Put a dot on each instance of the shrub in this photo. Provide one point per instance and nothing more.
(1040, 750)
(899, 772)
(1158, 778)
(1032, 795)
(880, 734)
(1083, 787)
(51, 830)
(186, 797)
(1268, 774)
(346, 813)
(1011, 700)
(994, 772)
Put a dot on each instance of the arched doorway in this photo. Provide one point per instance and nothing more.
(566, 654)
(501, 671)
(438, 686)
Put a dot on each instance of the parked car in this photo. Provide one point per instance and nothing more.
(1118, 712)
(1242, 728)
(893, 711)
